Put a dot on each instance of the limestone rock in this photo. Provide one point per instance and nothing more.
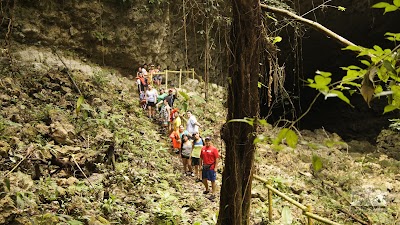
(62, 133)
(4, 148)
(42, 128)
(388, 142)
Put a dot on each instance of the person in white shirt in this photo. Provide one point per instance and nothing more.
(192, 125)
(151, 97)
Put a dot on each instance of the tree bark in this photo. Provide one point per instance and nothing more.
(243, 101)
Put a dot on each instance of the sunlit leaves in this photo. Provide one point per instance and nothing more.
(286, 134)
(247, 120)
(277, 39)
(341, 8)
(395, 100)
(321, 81)
(341, 96)
(393, 36)
(79, 102)
(388, 7)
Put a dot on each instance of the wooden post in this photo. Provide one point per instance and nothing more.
(193, 73)
(270, 203)
(180, 78)
(309, 209)
(166, 79)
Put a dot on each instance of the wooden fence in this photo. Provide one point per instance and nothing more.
(167, 73)
(307, 211)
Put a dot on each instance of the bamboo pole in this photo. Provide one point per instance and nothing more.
(306, 209)
(166, 79)
(309, 209)
(193, 73)
(180, 78)
(270, 203)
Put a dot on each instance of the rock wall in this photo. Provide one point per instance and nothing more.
(119, 34)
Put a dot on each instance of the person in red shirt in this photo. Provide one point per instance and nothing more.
(209, 159)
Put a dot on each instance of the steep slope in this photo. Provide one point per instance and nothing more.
(102, 161)
(96, 161)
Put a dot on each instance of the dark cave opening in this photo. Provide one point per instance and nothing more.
(361, 25)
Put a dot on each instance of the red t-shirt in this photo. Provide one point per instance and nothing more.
(175, 137)
(209, 154)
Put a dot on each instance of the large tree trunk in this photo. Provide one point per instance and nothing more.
(243, 101)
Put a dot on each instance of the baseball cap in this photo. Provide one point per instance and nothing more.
(208, 138)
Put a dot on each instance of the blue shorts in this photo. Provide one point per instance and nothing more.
(210, 175)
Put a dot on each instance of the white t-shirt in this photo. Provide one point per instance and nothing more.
(151, 95)
(191, 126)
(144, 71)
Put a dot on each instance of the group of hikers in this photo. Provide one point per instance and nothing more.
(199, 156)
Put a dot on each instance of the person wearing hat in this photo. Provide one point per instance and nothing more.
(171, 97)
(209, 160)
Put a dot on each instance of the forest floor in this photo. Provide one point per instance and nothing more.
(99, 160)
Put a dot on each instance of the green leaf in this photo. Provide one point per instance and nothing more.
(316, 163)
(378, 89)
(390, 8)
(353, 67)
(277, 39)
(249, 121)
(185, 96)
(310, 80)
(341, 8)
(380, 5)
(263, 122)
(389, 108)
(355, 48)
(323, 81)
(79, 102)
(185, 106)
(8, 186)
(396, 3)
(341, 96)
(365, 62)
(197, 223)
(388, 65)
(291, 138)
(287, 218)
(378, 49)
(324, 74)
(75, 222)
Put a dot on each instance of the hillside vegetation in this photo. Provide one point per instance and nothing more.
(100, 160)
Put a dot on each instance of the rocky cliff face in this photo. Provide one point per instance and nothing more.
(121, 35)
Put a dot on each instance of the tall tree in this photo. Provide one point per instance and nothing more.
(243, 101)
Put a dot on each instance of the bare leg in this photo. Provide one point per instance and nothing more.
(213, 187)
(205, 184)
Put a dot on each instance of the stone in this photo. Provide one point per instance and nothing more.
(42, 128)
(4, 148)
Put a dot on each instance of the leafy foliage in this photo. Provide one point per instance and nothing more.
(379, 77)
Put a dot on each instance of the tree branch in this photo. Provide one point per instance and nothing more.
(318, 27)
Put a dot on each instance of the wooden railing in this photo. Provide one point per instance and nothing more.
(306, 209)
(169, 72)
